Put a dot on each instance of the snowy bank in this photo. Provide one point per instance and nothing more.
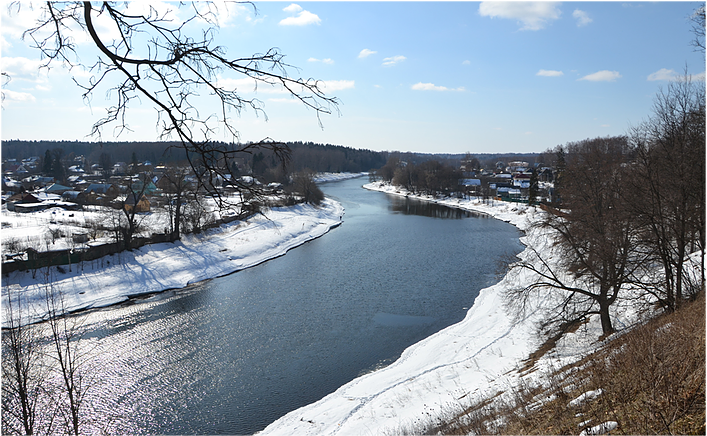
(476, 358)
(153, 268)
(335, 177)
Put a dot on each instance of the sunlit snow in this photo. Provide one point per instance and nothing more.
(476, 358)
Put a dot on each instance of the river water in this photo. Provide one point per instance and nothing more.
(233, 354)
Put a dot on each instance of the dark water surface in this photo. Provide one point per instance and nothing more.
(231, 355)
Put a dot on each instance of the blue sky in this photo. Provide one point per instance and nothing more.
(436, 77)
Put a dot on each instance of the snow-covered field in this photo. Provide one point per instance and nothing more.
(476, 357)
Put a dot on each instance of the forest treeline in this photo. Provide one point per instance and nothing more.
(304, 155)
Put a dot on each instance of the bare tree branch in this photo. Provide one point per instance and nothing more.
(155, 60)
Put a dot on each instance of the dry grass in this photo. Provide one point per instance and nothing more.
(652, 381)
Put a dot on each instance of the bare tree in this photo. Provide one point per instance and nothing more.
(303, 183)
(131, 207)
(22, 372)
(669, 179)
(698, 28)
(157, 60)
(195, 215)
(594, 234)
(177, 187)
(71, 360)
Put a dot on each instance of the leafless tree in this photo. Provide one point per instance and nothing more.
(669, 180)
(46, 371)
(196, 215)
(594, 234)
(70, 359)
(698, 28)
(303, 184)
(130, 206)
(158, 60)
(22, 373)
(177, 187)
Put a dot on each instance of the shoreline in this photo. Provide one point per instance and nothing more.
(479, 357)
(166, 266)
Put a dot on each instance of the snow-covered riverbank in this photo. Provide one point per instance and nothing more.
(153, 268)
(475, 358)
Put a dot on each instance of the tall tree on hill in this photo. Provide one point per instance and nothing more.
(158, 60)
(669, 177)
(594, 233)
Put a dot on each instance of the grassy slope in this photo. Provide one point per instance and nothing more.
(652, 381)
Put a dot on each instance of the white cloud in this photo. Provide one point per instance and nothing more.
(365, 53)
(336, 85)
(293, 8)
(249, 85)
(602, 76)
(283, 100)
(663, 74)
(700, 77)
(582, 18)
(24, 69)
(327, 61)
(532, 15)
(223, 11)
(303, 18)
(549, 73)
(393, 60)
(16, 96)
(466, 63)
(17, 18)
(432, 87)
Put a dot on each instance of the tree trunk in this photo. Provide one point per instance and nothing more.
(606, 327)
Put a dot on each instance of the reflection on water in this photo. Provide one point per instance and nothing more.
(410, 206)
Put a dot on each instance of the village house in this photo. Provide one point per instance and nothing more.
(141, 205)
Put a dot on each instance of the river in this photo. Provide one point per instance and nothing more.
(233, 354)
